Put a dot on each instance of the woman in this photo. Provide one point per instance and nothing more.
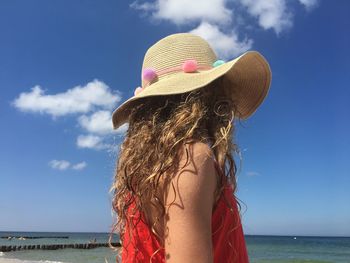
(174, 199)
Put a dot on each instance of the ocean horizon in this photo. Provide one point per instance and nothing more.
(261, 248)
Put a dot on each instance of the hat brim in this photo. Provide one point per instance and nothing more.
(248, 76)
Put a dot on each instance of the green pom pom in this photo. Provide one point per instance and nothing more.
(218, 63)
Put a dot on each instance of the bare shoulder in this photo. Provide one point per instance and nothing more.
(189, 202)
(197, 151)
(196, 171)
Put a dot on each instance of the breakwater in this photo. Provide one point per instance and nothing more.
(33, 237)
(56, 246)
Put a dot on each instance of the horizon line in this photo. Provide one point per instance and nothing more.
(103, 232)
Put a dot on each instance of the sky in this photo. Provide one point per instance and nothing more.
(65, 65)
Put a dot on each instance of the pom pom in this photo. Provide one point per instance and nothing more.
(137, 90)
(149, 74)
(189, 65)
(218, 63)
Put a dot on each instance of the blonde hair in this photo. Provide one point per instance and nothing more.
(158, 128)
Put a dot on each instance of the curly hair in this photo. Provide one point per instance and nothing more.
(167, 123)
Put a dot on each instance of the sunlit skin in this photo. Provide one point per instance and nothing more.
(189, 210)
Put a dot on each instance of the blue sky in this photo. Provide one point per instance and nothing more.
(66, 64)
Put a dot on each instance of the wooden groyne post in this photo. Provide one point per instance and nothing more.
(55, 246)
(32, 237)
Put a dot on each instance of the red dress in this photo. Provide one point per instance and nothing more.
(227, 235)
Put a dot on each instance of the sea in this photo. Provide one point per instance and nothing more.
(261, 249)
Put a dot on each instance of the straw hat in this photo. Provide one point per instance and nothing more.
(184, 62)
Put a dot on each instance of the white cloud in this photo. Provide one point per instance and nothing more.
(79, 166)
(64, 165)
(123, 128)
(80, 99)
(252, 174)
(225, 45)
(144, 6)
(216, 19)
(271, 14)
(309, 4)
(99, 122)
(219, 22)
(223, 15)
(184, 11)
(99, 126)
(59, 164)
(93, 103)
(91, 142)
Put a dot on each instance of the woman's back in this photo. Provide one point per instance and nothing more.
(226, 233)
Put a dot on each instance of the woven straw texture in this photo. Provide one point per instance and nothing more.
(248, 76)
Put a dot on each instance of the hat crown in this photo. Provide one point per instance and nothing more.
(174, 50)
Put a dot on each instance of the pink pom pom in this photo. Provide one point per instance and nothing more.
(149, 74)
(190, 66)
(138, 90)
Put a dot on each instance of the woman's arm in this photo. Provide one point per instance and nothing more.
(188, 226)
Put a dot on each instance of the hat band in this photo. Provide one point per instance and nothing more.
(189, 66)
